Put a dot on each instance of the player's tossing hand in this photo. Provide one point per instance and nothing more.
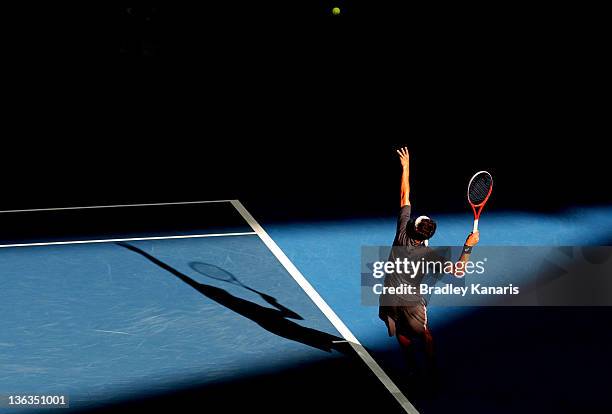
(404, 157)
(472, 239)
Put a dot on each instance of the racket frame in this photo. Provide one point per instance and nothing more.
(481, 205)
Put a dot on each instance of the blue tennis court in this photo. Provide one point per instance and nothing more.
(144, 318)
(121, 319)
(491, 359)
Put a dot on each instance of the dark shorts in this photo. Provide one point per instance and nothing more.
(410, 321)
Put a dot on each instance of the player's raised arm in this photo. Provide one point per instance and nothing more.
(405, 189)
(471, 241)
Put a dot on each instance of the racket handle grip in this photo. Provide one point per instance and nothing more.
(475, 226)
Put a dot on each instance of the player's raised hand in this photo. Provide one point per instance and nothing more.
(404, 156)
(473, 239)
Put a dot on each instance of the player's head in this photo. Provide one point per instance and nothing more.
(423, 228)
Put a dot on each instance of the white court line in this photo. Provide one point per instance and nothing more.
(278, 253)
(187, 236)
(327, 311)
(114, 332)
(114, 206)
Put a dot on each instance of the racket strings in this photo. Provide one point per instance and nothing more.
(479, 188)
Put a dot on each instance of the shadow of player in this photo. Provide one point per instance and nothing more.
(272, 320)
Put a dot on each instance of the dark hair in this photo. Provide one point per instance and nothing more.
(425, 230)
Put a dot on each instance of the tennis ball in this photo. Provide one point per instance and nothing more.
(336, 11)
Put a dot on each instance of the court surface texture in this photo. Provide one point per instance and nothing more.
(191, 306)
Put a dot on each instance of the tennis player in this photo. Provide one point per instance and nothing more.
(406, 316)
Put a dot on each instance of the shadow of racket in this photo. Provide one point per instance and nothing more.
(215, 272)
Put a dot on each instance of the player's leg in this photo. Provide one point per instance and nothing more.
(409, 352)
(417, 344)
(410, 329)
(430, 363)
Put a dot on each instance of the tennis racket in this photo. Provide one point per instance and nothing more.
(479, 191)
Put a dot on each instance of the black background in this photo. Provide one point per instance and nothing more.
(298, 112)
